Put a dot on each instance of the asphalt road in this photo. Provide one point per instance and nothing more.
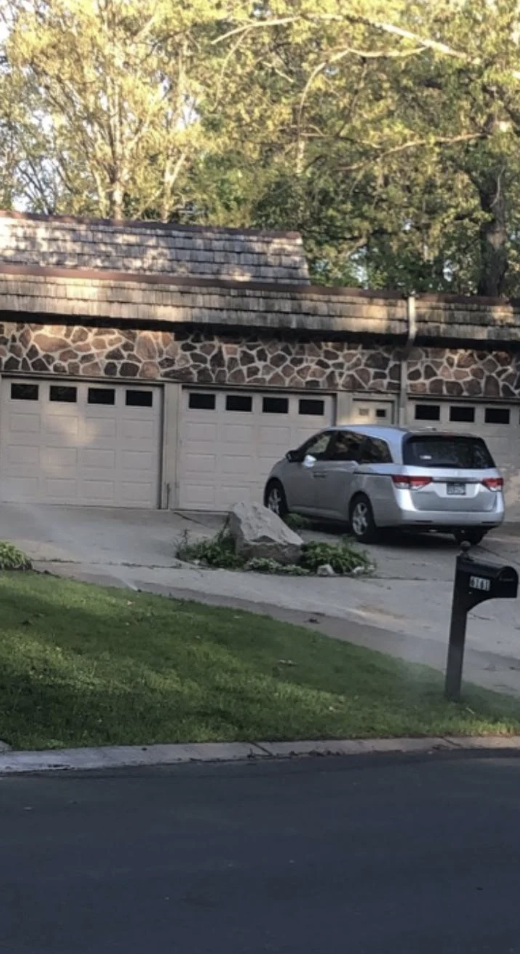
(365, 856)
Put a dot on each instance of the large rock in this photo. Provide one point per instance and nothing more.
(258, 532)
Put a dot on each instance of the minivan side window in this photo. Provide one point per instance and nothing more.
(347, 446)
(317, 447)
(375, 451)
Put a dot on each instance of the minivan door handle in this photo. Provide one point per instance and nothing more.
(320, 476)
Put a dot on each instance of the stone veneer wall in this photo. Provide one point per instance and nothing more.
(452, 372)
(254, 360)
(197, 358)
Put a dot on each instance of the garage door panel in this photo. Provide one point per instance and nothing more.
(136, 430)
(61, 489)
(97, 459)
(275, 433)
(238, 434)
(200, 431)
(60, 430)
(235, 464)
(229, 496)
(23, 454)
(98, 490)
(20, 488)
(135, 494)
(199, 497)
(96, 429)
(81, 452)
(25, 424)
(199, 463)
(227, 452)
(138, 461)
(58, 459)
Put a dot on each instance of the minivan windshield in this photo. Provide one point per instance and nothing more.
(437, 450)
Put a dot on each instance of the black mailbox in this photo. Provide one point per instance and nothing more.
(485, 581)
(475, 582)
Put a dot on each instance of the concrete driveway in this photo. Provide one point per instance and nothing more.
(404, 609)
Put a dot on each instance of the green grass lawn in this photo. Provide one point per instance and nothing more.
(81, 665)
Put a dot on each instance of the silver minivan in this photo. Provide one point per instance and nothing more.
(382, 477)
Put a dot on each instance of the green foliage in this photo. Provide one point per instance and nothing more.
(267, 565)
(342, 557)
(386, 132)
(217, 552)
(296, 521)
(11, 558)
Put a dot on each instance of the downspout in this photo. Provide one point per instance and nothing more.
(409, 343)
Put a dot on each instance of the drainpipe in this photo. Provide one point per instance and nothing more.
(410, 341)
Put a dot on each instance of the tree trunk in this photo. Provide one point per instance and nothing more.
(117, 202)
(493, 236)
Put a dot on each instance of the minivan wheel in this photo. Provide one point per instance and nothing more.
(362, 521)
(472, 536)
(275, 499)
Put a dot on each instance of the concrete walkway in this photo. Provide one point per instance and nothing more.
(403, 610)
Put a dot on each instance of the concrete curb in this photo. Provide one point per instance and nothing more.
(128, 756)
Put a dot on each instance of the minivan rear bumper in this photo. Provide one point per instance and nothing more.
(452, 520)
(403, 513)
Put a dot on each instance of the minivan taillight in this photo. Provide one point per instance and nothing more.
(410, 483)
(493, 483)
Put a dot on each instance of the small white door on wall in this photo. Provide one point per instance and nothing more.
(231, 439)
(64, 442)
(369, 410)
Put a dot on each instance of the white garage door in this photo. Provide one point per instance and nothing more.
(497, 424)
(80, 443)
(231, 439)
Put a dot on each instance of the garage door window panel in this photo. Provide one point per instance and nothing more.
(275, 405)
(102, 396)
(239, 402)
(139, 398)
(60, 394)
(199, 401)
(311, 407)
(427, 412)
(25, 392)
(497, 415)
(462, 414)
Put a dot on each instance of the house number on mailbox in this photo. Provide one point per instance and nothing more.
(479, 583)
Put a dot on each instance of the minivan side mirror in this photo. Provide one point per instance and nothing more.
(292, 456)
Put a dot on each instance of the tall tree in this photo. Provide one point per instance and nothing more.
(116, 85)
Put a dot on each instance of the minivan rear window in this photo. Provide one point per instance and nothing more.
(463, 453)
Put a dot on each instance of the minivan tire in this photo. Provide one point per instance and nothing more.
(362, 521)
(472, 536)
(275, 499)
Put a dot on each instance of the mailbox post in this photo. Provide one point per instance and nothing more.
(475, 582)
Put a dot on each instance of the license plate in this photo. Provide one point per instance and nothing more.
(456, 490)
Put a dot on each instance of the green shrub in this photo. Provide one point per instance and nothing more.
(13, 559)
(296, 522)
(267, 565)
(342, 557)
(219, 551)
